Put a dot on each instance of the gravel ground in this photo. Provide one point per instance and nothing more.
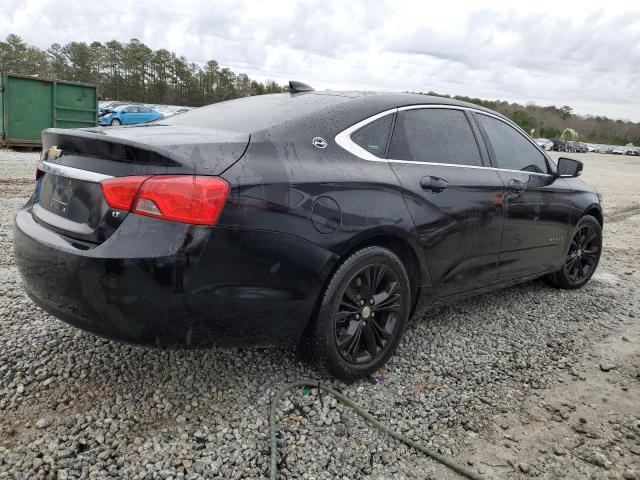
(468, 379)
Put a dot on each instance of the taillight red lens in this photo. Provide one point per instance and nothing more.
(119, 192)
(180, 198)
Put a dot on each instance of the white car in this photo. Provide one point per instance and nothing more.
(544, 143)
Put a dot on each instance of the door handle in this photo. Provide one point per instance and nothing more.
(433, 184)
(516, 186)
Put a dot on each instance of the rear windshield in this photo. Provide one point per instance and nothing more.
(251, 114)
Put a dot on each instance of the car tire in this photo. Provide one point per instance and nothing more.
(116, 123)
(583, 256)
(346, 339)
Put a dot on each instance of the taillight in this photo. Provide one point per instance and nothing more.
(39, 173)
(119, 192)
(187, 199)
(180, 198)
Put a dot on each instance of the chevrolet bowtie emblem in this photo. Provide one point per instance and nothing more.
(54, 152)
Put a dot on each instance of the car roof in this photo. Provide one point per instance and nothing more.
(388, 100)
(334, 110)
(135, 105)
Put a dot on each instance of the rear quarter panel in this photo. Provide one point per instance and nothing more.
(326, 196)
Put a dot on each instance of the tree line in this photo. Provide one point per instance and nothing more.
(551, 121)
(133, 71)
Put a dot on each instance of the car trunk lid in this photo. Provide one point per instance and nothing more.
(68, 196)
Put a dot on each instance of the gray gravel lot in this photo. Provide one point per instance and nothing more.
(468, 379)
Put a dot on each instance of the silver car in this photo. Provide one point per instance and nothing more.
(544, 143)
(619, 150)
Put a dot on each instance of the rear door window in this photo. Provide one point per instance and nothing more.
(434, 135)
(512, 151)
(374, 136)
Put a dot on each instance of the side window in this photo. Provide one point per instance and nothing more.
(435, 135)
(512, 150)
(132, 109)
(374, 136)
(144, 110)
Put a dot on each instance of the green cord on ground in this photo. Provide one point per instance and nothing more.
(363, 413)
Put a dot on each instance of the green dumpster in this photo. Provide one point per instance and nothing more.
(28, 105)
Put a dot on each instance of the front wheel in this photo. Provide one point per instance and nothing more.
(583, 256)
(362, 315)
(115, 122)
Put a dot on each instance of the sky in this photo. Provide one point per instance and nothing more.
(584, 54)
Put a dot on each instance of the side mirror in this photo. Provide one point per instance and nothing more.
(568, 167)
(123, 112)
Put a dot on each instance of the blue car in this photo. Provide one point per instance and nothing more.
(129, 115)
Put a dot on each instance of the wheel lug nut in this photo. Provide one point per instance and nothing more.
(371, 302)
(361, 302)
(357, 316)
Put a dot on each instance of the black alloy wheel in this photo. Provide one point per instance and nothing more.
(367, 315)
(362, 315)
(583, 255)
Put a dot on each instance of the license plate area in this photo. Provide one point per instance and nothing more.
(71, 198)
(61, 194)
(70, 202)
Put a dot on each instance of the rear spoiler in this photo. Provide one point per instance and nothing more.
(183, 148)
(95, 143)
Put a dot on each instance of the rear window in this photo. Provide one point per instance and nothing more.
(251, 114)
(434, 135)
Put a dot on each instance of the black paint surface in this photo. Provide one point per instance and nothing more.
(293, 212)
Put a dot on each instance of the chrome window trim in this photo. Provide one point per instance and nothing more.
(72, 172)
(344, 139)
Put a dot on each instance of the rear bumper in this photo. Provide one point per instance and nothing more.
(167, 284)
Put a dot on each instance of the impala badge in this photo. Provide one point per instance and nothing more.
(319, 142)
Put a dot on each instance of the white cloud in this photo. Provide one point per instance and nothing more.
(574, 53)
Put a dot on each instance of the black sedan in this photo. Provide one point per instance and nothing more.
(559, 145)
(317, 219)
